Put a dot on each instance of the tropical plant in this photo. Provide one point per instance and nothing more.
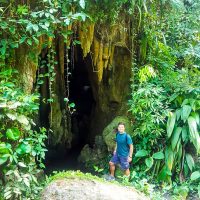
(182, 131)
(22, 150)
(175, 74)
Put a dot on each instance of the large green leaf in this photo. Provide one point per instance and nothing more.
(11, 116)
(184, 133)
(178, 144)
(4, 148)
(159, 155)
(186, 169)
(23, 120)
(164, 174)
(3, 158)
(175, 137)
(196, 117)
(141, 153)
(169, 158)
(23, 148)
(194, 135)
(178, 114)
(82, 3)
(14, 105)
(192, 126)
(171, 123)
(179, 152)
(190, 161)
(149, 162)
(185, 112)
(195, 175)
(13, 134)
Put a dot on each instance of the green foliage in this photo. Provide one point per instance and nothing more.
(141, 153)
(20, 25)
(72, 175)
(20, 146)
(195, 175)
(165, 92)
(36, 23)
(105, 10)
(149, 108)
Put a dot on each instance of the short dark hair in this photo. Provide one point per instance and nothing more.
(121, 123)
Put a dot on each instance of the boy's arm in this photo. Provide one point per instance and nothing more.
(115, 149)
(131, 151)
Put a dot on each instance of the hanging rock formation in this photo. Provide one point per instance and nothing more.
(109, 69)
(106, 52)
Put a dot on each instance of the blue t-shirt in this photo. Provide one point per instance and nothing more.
(123, 144)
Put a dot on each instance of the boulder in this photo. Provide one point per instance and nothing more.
(95, 154)
(80, 188)
(85, 155)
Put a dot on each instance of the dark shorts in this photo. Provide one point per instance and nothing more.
(123, 161)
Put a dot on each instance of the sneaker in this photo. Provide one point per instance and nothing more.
(110, 178)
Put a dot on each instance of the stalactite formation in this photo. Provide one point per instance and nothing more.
(104, 48)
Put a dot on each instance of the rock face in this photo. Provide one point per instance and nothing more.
(76, 189)
(95, 154)
(108, 60)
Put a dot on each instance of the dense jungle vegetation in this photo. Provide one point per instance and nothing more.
(164, 102)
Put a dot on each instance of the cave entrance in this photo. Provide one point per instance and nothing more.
(78, 86)
(80, 93)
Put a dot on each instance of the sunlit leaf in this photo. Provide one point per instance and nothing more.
(3, 160)
(178, 114)
(171, 123)
(141, 153)
(21, 164)
(14, 105)
(23, 119)
(164, 174)
(190, 161)
(185, 112)
(195, 175)
(184, 133)
(82, 3)
(149, 162)
(158, 155)
(72, 105)
(11, 116)
(169, 157)
(196, 117)
(13, 134)
(175, 137)
(23, 148)
(194, 135)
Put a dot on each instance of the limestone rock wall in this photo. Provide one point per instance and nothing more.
(109, 62)
(106, 50)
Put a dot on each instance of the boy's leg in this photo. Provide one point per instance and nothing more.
(127, 172)
(114, 160)
(125, 165)
(112, 168)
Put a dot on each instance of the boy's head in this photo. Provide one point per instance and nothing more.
(121, 127)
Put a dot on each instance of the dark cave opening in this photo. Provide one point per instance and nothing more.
(80, 93)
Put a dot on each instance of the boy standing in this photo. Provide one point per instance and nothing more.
(122, 153)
